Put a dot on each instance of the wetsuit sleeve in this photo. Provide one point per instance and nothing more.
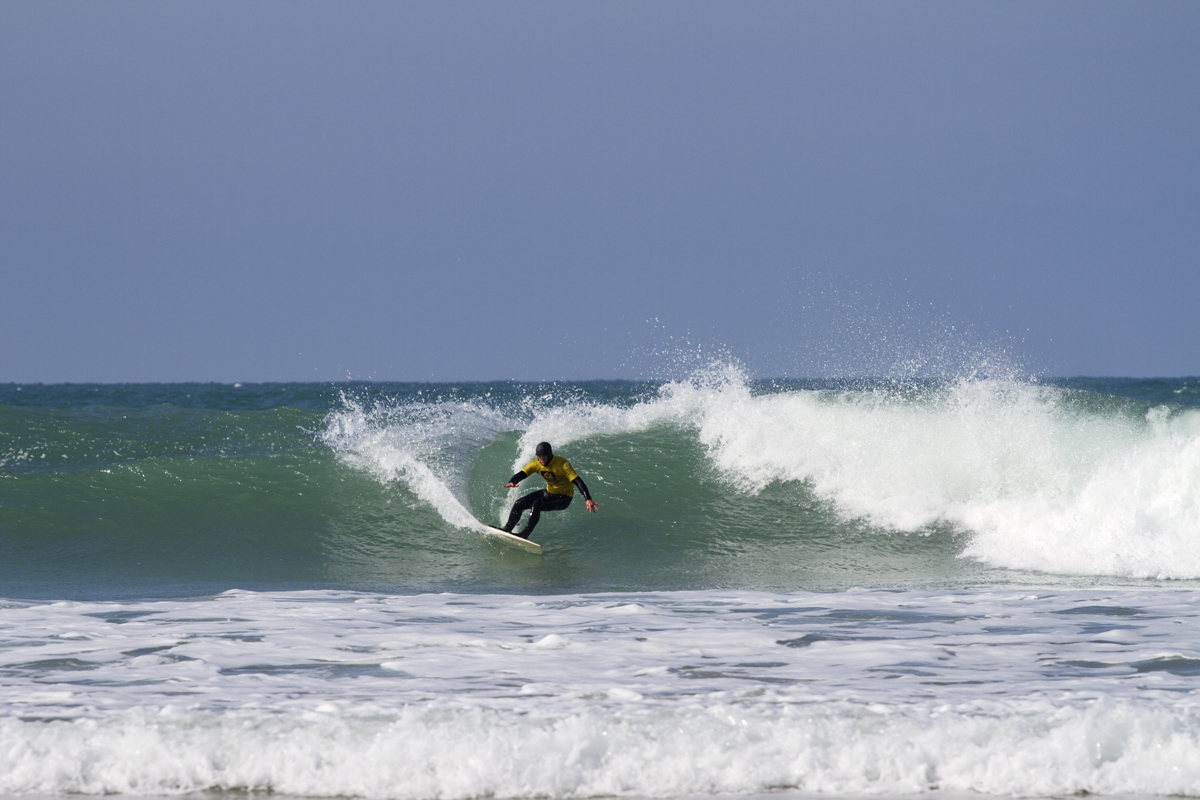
(582, 487)
(530, 468)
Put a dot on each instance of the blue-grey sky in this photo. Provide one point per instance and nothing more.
(254, 191)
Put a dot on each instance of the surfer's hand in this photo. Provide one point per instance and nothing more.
(510, 485)
(592, 505)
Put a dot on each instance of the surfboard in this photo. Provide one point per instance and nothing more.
(515, 541)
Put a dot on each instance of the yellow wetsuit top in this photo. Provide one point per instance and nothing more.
(558, 474)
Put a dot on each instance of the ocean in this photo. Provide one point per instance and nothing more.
(962, 587)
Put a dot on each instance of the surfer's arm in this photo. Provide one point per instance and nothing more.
(515, 479)
(582, 487)
(592, 505)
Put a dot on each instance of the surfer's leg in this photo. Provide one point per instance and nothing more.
(519, 508)
(544, 502)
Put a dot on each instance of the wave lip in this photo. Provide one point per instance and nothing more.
(425, 445)
(1042, 478)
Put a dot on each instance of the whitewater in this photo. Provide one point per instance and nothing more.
(968, 587)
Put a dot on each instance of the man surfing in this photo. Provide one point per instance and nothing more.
(561, 482)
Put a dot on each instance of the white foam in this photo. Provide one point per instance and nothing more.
(418, 753)
(337, 694)
(420, 444)
(1135, 512)
(1042, 484)
(675, 403)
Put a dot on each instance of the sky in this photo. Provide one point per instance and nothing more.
(470, 191)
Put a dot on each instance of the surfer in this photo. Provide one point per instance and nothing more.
(561, 482)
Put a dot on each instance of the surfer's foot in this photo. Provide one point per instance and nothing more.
(523, 534)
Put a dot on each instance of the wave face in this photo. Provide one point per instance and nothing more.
(711, 482)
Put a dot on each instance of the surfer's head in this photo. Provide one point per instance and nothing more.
(544, 453)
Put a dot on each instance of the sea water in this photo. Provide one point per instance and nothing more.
(979, 586)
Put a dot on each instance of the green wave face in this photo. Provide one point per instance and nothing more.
(710, 483)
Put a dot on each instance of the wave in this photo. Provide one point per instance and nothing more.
(1037, 477)
(713, 481)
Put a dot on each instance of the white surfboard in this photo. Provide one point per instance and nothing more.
(510, 539)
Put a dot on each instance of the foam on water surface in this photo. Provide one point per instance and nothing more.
(642, 695)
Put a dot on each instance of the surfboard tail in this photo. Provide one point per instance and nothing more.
(513, 540)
